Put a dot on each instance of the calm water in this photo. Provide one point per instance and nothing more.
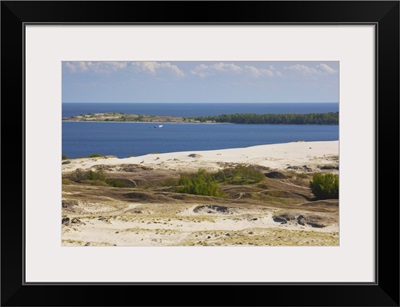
(134, 139)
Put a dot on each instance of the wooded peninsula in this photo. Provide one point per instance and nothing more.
(238, 118)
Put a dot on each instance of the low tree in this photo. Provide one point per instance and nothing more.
(325, 186)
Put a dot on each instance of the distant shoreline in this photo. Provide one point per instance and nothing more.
(126, 122)
(329, 118)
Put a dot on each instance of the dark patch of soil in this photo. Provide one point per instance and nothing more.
(66, 221)
(283, 218)
(193, 155)
(212, 209)
(315, 221)
(276, 175)
(329, 167)
(69, 204)
(146, 197)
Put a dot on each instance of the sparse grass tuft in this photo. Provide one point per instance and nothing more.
(66, 181)
(97, 175)
(94, 182)
(262, 185)
(96, 155)
(240, 174)
(117, 183)
(302, 176)
(97, 178)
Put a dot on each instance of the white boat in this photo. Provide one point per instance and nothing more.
(158, 126)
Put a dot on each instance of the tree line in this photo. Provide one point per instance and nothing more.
(294, 119)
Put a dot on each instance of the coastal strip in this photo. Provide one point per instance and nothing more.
(329, 118)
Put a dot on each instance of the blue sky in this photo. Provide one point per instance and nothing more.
(197, 81)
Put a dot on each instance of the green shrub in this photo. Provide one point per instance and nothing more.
(80, 175)
(96, 155)
(202, 183)
(325, 186)
(99, 175)
(117, 183)
(240, 174)
(64, 157)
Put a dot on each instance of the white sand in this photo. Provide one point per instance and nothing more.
(171, 229)
(144, 230)
(276, 156)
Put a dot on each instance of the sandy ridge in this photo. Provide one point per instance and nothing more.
(275, 156)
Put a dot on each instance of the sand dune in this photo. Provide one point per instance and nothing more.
(276, 156)
(280, 211)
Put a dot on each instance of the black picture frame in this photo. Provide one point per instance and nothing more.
(383, 14)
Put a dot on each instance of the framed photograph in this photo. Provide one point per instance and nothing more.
(247, 146)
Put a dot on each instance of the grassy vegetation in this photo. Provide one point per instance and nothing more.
(204, 183)
(240, 174)
(301, 176)
(325, 186)
(201, 183)
(240, 182)
(97, 175)
(95, 178)
(261, 237)
(66, 181)
(117, 183)
(94, 182)
(96, 155)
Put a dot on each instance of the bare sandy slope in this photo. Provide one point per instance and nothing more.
(187, 225)
(276, 156)
(277, 212)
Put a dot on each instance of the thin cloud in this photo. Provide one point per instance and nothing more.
(106, 67)
(326, 68)
(318, 70)
(259, 72)
(96, 67)
(222, 67)
(204, 71)
(153, 68)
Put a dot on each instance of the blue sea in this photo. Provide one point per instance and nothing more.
(81, 139)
